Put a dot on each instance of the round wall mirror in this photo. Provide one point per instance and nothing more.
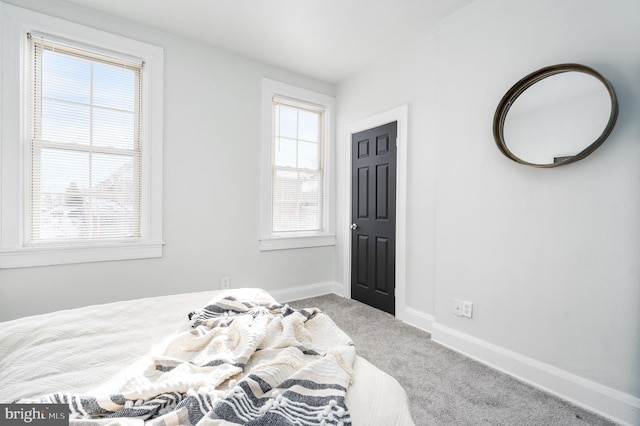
(555, 116)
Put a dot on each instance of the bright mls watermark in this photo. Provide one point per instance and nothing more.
(34, 414)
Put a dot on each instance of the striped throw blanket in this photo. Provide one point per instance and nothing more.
(242, 362)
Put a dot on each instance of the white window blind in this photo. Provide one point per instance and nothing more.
(297, 167)
(85, 145)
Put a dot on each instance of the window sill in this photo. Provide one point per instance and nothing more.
(286, 243)
(43, 256)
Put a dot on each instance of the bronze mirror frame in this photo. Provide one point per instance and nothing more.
(510, 97)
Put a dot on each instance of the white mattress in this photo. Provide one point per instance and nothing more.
(81, 350)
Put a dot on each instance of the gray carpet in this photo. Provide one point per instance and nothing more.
(445, 387)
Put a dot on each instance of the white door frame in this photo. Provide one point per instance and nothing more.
(399, 114)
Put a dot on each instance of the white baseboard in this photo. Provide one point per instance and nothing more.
(304, 291)
(417, 319)
(616, 405)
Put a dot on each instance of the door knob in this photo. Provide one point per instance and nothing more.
(353, 226)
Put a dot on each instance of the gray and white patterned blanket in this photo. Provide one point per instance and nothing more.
(243, 362)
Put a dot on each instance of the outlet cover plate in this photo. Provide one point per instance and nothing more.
(457, 307)
(467, 309)
(224, 283)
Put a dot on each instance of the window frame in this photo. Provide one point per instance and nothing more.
(270, 240)
(15, 23)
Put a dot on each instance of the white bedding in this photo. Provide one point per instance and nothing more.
(83, 350)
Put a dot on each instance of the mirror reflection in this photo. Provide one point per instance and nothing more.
(555, 116)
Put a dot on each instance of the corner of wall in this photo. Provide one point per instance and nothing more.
(418, 319)
(305, 291)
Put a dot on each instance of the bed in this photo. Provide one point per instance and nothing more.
(208, 358)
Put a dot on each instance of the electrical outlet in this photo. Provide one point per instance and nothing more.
(224, 283)
(457, 307)
(467, 309)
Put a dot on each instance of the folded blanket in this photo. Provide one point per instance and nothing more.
(250, 362)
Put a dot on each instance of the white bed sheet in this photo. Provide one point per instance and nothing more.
(81, 350)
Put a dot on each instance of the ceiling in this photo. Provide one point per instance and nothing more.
(326, 39)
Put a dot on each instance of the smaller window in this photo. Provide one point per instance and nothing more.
(296, 193)
(298, 168)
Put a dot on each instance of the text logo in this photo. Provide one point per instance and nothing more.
(34, 414)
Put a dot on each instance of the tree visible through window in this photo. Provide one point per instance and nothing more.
(85, 145)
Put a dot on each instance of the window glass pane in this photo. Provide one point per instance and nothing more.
(112, 173)
(114, 205)
(285, 152)
(112, 128)
(61, 169)
(63, 184)
(296, 201)
(113, 87)
(286, 122)
(308, 155)
(65, 122)
(65, 77)
(309, 126)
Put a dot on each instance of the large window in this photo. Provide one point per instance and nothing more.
(82, 172)
(297, 193)
(85, 148)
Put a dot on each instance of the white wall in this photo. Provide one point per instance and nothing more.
(211, 188)
(408, 77)
(549, 257)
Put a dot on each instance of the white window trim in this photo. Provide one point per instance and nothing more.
(268, 240)
(15, 22)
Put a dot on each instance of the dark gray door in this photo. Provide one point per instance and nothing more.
(373, 217)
